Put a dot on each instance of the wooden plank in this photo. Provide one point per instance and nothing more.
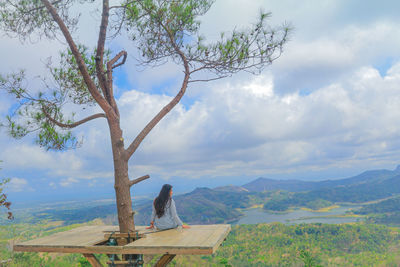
(198, 236)
(204, 237)
(80, 236)
(199, 239)
(216, 238)
(164, 260)
(93, 260)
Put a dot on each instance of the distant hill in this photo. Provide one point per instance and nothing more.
(368, 186)
(266, 184)
(231, 188)
(369, 190)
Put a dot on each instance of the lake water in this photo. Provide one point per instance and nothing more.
(253, 216)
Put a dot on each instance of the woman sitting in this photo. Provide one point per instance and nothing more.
(164, 214)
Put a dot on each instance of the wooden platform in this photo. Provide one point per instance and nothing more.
(199, 239)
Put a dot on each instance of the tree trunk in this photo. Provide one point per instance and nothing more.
(121, 183)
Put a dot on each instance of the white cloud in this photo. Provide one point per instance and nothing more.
(309, 64)
(68, 182)
(18, 185)
(237, 130)
(30, 156)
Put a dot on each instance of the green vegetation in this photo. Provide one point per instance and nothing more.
(295, 245)
(3, 198)
(308, 259)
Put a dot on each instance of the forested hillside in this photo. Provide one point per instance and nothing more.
(384, 212)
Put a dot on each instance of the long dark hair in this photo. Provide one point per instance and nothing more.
(163, 198)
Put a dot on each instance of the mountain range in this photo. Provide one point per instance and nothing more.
(224, 204)
(266, 184)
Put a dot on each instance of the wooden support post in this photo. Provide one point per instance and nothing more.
(164, 260)
(93, 260)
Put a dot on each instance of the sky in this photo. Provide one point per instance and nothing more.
(326, 109)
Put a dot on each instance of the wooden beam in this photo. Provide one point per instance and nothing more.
(164, 260)
(117, 250)
(93, 260)
(117, 235)
(118, 262)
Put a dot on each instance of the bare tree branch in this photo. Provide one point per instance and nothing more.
(75, 124)
(117, 57)
(137, 180)
(208, 80)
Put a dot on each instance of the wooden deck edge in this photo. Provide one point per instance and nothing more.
(113, 250)
(65, 249)
(221, 240)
